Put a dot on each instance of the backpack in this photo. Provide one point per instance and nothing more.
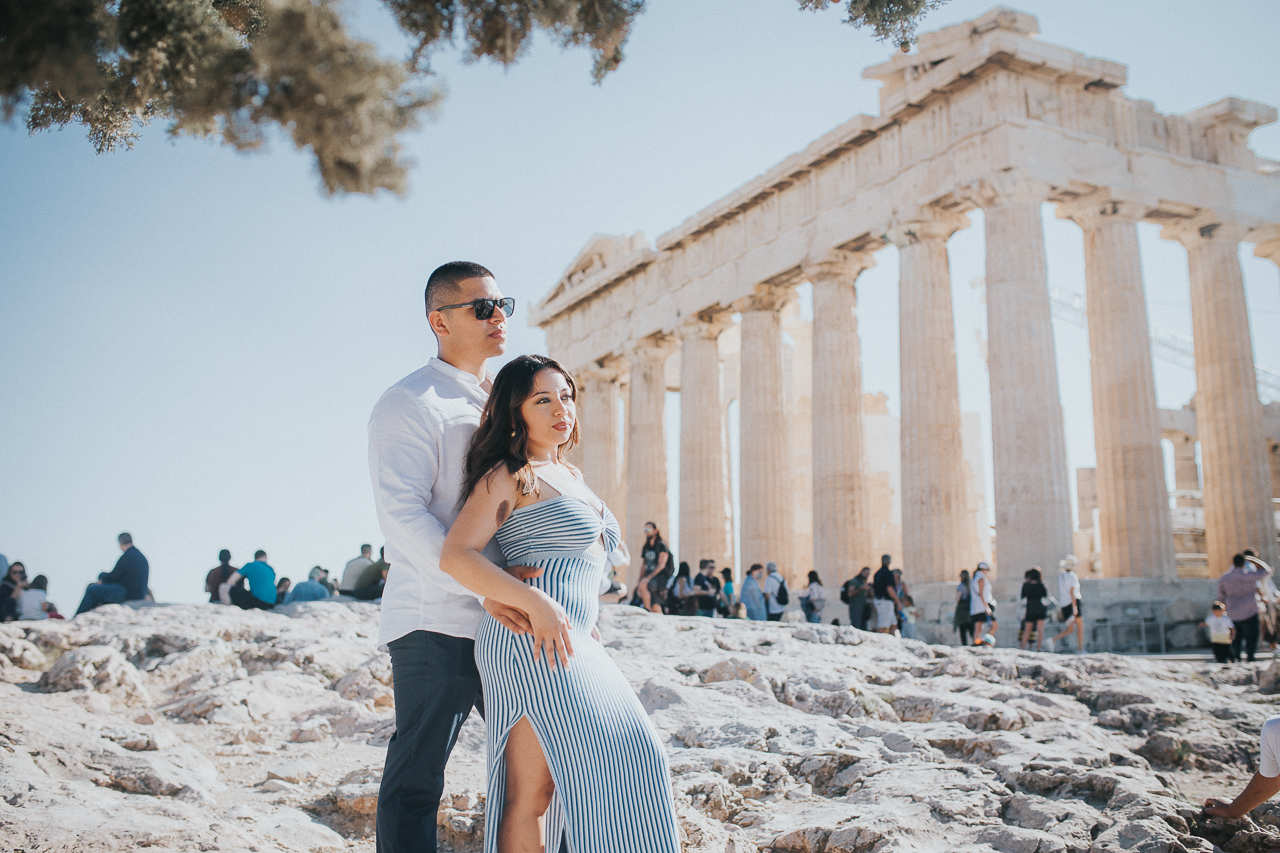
(844, 591)
(783, 597)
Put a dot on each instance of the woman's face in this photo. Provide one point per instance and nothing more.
(17, 573)
(549, 412)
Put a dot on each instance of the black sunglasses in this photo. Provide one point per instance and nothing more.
(484, 307)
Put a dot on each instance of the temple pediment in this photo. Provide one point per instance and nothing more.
(605, 258)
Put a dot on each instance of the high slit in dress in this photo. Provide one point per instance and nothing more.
(610, 771)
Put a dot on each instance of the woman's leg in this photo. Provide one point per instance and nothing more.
(1039, 634)
(529, 792)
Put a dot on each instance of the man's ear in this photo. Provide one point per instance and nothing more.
(437, 323)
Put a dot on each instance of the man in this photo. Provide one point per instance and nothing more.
(311, 589)
(752, 596)
(884, 596)
(982, 606)
(352, 574)
(218, 575)
(126, 582)
(774, 583)
(418, 436)
(262, 592)
(854, 593)
(1069, 601)
(708, 587)
(1238, 589)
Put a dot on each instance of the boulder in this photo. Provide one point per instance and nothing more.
(96, 668)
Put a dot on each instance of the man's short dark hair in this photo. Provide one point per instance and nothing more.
(258, 555)
(885, 559)
(224, 556)
(443, 284)
(125, 539)
(1238, 561)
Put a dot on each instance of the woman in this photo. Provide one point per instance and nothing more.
(1034, 593)
(963, 621)
(575, 729)
(727, 600)
(684, 601)
(11, 590)
(813, 600)
(656, 557)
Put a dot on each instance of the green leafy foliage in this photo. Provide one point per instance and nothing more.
(235, 68)
(892, 20)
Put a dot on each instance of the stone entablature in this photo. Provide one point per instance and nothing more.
(986, 116)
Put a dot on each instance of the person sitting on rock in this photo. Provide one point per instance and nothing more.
(126, 582)
(218, 575)
(35, 603)
(261, 594)
(11, 590)
(282, 588)
(1265, 783)
(311, 589)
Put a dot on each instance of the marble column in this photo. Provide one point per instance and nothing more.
(841, 539)
(1029, 447)
(600, 451)
(939, 532)
(1133, 503)
(1186, 473)
(767, 513)
(705, 515)
(646, 484)
(1233, 452)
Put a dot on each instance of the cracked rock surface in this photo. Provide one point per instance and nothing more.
(210, 728)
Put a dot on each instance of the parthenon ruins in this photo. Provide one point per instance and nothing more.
(982, 115)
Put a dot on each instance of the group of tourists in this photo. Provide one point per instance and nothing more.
(880, 602)
(23, 599)
(1246, 594)
(254, 585)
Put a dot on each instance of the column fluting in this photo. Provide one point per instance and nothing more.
(1029, 448)
(705, 515)
(939, 532)
(767, 515)
(1136, 530)
(1238, 512)
(841, 539)
(646, 447)
(600, 451)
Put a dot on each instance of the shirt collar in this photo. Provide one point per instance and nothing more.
(462, 376)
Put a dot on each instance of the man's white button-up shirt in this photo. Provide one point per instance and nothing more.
(418, 436)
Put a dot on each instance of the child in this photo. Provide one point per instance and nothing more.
(1222, 632)
(910, 613)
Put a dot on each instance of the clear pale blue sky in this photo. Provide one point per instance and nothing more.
(191, 339)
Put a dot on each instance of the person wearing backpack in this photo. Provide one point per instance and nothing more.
(776, 596)
(854, 593)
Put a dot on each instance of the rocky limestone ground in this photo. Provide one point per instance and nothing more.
(205, 728)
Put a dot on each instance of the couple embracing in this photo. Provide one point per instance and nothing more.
(498, 551)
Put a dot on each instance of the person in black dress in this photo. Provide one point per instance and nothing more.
(1034, 592)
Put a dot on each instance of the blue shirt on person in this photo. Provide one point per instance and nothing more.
(753, 598)
(308, 590)
(131, 572)
(262, 580)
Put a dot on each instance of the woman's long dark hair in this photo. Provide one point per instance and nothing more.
(503, 437)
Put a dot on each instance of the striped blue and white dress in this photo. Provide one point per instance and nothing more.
(610, 771)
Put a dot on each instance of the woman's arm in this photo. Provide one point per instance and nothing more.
(462, 559)
(224, 589)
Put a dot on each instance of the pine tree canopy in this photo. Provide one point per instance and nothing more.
(234, 68)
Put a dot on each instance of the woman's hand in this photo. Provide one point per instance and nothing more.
(551, 628)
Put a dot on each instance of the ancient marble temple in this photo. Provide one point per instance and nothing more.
(982, 115)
